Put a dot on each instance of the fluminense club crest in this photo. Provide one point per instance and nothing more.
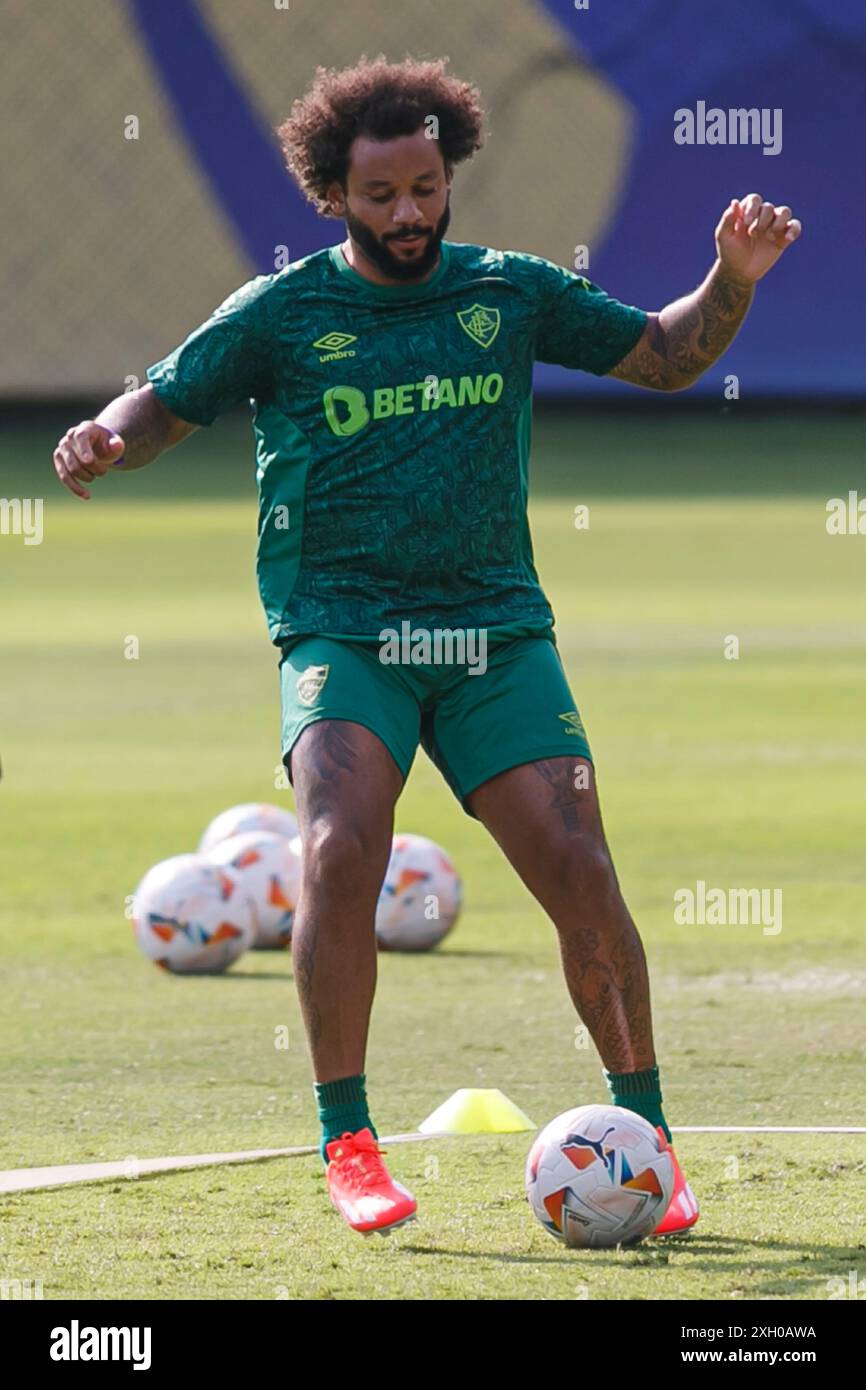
(310, 682)
(481, 324)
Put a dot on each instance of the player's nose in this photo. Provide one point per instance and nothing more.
(407, 214)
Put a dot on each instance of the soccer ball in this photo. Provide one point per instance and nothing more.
(420, 898)
(191, 916)
(599, 1176)
(251, 815)
(268, 868)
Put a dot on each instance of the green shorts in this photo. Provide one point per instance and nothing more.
(473, 726)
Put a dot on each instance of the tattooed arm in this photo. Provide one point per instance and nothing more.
(146, 426)
(130, 432)
(688, 336)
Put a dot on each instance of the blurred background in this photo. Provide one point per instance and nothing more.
(116, 247)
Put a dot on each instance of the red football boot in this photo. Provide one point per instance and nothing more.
(361, 1187)
(683, 1210)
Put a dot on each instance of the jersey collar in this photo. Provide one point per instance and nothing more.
(339, 262)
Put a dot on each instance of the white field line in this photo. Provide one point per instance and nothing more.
(30, 1179)
(768, 1129)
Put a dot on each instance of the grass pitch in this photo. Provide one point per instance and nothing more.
(740, 773)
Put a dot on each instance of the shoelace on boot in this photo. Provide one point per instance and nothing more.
(361, 1161)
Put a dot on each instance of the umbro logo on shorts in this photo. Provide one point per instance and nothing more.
(573, 723)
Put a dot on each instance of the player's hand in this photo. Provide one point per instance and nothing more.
(752, 235)
(85, 452)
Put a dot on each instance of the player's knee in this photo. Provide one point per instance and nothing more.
(339, 851)
(584, 870)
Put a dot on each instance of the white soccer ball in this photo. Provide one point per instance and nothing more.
(420, 898)
(599, 1176)
(268, 868)
(191, 916)
(251, 815)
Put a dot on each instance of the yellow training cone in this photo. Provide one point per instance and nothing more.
(477, 1112)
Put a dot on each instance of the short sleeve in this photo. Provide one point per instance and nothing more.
(581, 326)
(223, 361)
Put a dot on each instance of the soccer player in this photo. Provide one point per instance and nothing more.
(390, 382)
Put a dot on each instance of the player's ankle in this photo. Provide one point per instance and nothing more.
(639, 1091)
(342, 1107)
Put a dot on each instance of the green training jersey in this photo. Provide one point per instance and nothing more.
(392, 428)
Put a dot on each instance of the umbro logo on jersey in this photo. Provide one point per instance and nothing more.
(481, 324)
(334, 344)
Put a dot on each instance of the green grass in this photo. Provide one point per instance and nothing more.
(742, 773)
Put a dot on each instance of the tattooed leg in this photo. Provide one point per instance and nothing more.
(551, 831)
(558, 773)
(346, 784)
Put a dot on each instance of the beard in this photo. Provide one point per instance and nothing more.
(377, 250)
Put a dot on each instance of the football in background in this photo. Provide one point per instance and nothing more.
(250, 815)
(191, 916)
(268, 869)
(420, 898)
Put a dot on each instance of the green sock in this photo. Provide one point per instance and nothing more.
(342, 1106)
(639, 1091)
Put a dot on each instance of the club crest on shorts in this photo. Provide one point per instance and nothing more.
(573, 723)
(309, 684)
(481, 324)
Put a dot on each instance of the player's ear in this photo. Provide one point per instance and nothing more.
(336, 196)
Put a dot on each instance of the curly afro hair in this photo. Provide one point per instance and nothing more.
(380, 100)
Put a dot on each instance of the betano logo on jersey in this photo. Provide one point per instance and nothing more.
(347, 409)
